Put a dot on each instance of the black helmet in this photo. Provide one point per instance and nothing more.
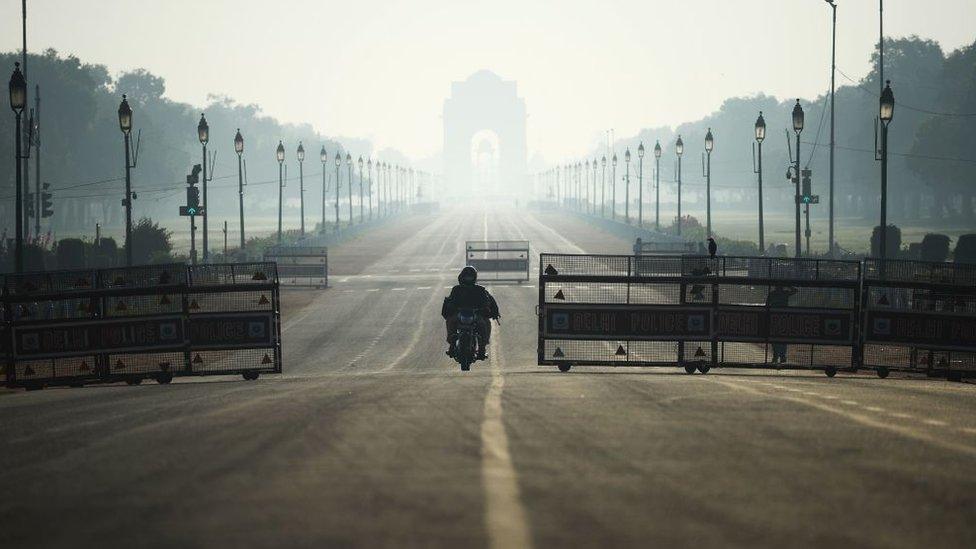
(468, 275)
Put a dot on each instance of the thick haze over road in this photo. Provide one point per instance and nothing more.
(372, 437)
(381, 68)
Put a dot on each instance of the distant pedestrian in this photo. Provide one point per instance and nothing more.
(712, 247)
(779, 297)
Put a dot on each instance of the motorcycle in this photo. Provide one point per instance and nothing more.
(466, 339)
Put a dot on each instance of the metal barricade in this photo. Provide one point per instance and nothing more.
(919, 316)
(129, 324)
(499, 260)
(697, 312)
(304, 266)
(645, 247)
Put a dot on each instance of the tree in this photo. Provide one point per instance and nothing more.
(141, 86)
(150, 242)
(948, 136)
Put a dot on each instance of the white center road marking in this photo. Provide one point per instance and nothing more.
(505, 518)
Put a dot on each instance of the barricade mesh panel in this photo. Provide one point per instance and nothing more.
(919, 315)
(760, 300)
(125, 364)
(920, 272)
(49, 282)
(214, 302)
(86, 325)
(232, 361)
(52, 369)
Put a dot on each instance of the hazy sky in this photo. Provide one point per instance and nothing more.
(382, 68)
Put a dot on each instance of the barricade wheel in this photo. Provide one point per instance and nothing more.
(250, 376)
(164, 378)
(33, 386)
(830, 371)
(565, 367)
(133, 381)
(704, 369)
(76, 385)
(882, 372)
(690, 369)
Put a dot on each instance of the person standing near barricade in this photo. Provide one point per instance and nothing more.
(779, 297)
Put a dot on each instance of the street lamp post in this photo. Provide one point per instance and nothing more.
(593, 181)
(603, 187)
(125, 124)
(586, 184)
(640, 184)
(709, 145)
(338, 162)
(18, 100)
(886, 113)
(349, 179)
(362, 211)
(627, 186)
(798, 128)
(301, 186)
(280, 155)
(760, 136)
(369, 182)
(613, 187)
(657, 186)
(239, 149)
(324, 158)
(679, 149)
(203, 133)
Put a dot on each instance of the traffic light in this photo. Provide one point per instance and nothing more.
(47, 206)
(29, 204)
(193, 197)
(192, 194)
(806, 196)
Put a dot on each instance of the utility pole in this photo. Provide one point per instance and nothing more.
(30, 120)
(881, 78)
(833, 71)
(37, 161)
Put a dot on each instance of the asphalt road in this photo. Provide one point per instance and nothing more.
(372, 437)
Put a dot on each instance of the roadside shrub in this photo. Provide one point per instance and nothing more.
(965, 249)
(70, 253)
(934, 247)
(104, 254)
(893, 243)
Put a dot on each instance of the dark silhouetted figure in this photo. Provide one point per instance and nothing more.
(712, 247)
(468, 295)
(779, 298)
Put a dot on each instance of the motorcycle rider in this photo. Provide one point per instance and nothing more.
(468, 295)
